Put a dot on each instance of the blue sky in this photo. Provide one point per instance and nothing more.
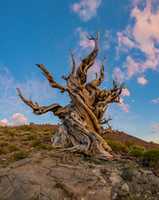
(45, 32)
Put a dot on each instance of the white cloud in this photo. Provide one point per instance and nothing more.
(4, 122)
(123, 105)
(19, 119)
(133, 67)
(108, 39)
(146, 33)
(125, 92)
(142, 35)
(118, 75)
(86, 9)
(84, 42)
(124, 40)
(142, 80)
(15, 120)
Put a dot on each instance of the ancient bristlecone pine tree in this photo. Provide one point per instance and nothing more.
(82, 118)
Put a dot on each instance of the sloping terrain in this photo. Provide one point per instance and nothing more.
(125, 138)
(19, 142)
(30, 169)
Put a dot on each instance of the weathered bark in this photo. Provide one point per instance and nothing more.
(82, 118)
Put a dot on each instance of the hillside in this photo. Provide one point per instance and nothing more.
(125, 138)
(30, 169)
(19, 142)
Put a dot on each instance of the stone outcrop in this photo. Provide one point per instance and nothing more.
(63, 176)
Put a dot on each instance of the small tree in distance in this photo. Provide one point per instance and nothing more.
(82, 119)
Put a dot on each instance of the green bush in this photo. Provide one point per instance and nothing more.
(151, 158)
(31, 137)
(136, 151)
(36, 143)
(129, 144)
(20, 155)
(118, 147)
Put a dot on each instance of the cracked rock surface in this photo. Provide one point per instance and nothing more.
(65, 176)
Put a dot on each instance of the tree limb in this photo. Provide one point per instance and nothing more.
(87, 62)
(97, 82)
(66, 78)
(49, 77)
(37, 109)
(73, 64)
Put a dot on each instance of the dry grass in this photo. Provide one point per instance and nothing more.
(19, 142)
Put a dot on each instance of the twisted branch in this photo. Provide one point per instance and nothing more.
(37, 109)
(88, 61)
(49, 77)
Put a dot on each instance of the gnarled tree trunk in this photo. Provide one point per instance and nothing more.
(82, 118)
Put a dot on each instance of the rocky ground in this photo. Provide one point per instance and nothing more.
(64, 176)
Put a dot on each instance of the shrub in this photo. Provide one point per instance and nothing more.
(151, 158)
(36, 143)
(20, 155)
(118, 147)
(31, 137)
(12, 147)
(136, 151)
(129, 144)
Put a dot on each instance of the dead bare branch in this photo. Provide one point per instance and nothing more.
(87, 62)
(50, 78)
(37, 109)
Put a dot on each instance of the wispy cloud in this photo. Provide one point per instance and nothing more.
(84, 42)
(15, 120)
(155, 101)
(86, 9)
(36, 89)
(155, 128)
(133, 67)
(124, 41)
(18, 119)
(153, 133)
(123, 105)
(142, 80)
(118, 75)
(4, 122)
(108, 40)
(125, 92)
(142, 35)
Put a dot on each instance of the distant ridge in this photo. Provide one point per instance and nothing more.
(126, 138)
